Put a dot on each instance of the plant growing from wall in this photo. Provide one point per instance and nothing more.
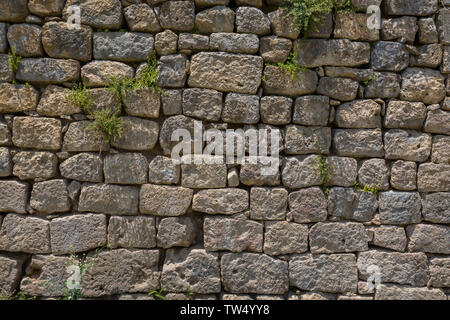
(290, 66)
(81, 97)
(157, 294)
(107, 124)
(372, 78)
(13, 60)
(366, 188)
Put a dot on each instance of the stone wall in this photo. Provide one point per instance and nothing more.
(377, 101)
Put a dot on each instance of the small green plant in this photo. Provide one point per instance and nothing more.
(366, 188)
(372, 78)
(22, 296)
(291, 66)
(310, 13)
(107, 124)
(189, 294)
(13, 60)
(81, 97)
(157, 294)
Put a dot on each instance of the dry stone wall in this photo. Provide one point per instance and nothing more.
(371, 106)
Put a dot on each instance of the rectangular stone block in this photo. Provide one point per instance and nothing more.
(132, 232)
(220, 201)
(48, 71)
(13, 196)
(335, 237)
(10, 273)
(164, 200)
(37, 133)
(122, 46)
(395, 292)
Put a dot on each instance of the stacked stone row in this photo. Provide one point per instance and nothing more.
(375, 103)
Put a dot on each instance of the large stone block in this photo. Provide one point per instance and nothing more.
(429, 238)
(407, 145)
(241, 108)
(176, 232)
(252, 20)
(13, 196)
(204, 175)
(132, 232)
(400, 207)
(10, 274)
(308, 205)
(100, 73)
(438, 121)
(411, 8)
(301, 172)
(358, 143)
(204, 104)
(390, 237)
(352, 204)
(405, 115)
(436, 207)
(164, 200)
(50, 196)
(215, 19)
(395, 292)
(389, 56)
(138, 134)
(126, 168)
(433, 177)
(29, 165)
(306, 140)
(425, 85)
(103, 198)
(84, 167)
(55, 102)
(268, 203)
(103, 14)
(37, 133)
(13, 11)
(80, 138)
(311, 110)
(285, 237)
(359, 114)
(172, 71)
(177, 15)
(122, 46)
(220, 201)
(234, 42)
(440, 272)
(44, 71)
(277, 82)
(26, 40)
(354, 26)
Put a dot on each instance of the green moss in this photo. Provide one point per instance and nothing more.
(13, 60)
(372, 77)
(366, 188)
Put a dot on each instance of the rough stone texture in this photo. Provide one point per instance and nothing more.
(50, 196)
(407, 145)
(126, 168)
(166, 42)
(55, 101)
(338, 88)
(427, 31)
(189, 43)
(141, 18)
(403, 175)
(268, 203)
(436, 207)
(301, 172)
(433, 177)
(352, 204)
(172, 71)
(254, 273)
(220, 201)
(5, 162)
(99, 73)
(204, 175)
(132, 232)
(429, 56)
(10, 275)
(405, 115)
(177, 15)
(13, 11)
(163, 170)
(35, 165)
(278, 110)
(308, 205)
(395, 292)
(389, 56)
(230, 234)
(26, 40)
(191, 269)
(37, 133)
(385, 85)
(359, 114)
(216, 19)
(429, 238)
(440, 272)
(282, 24)
(17, 98)
(234, 42)
(354, 26)
(122, 46)
(425, 85)
(405, 7)
(400, 207)
(336, 273)
(77, 233)
(84, 167)
(48, 71)
(241, 108)
(103, 14)
(204, 104)
(374, 172)
(164, 200)
(138, 134)
(361, 143)
(284, 238)
(438, 122)
(333, 237)
(390, 237)
(403, 29)
(80, 139)
(252, 20)
(278, 82)
(13, 196)
(176, 232)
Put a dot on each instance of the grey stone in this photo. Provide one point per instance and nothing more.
(163, 170)
(395, 292)
(254, 273)
(221, 201)
(226, 72)
(122, 46)
(338, 88)
(204, 175)
(260, 173)
(172, 71)
(399, 208)
(5, 134)
(408, 8)
(305, 140)
(389, 56)
(215, 19)
(138, 134)
(322, 28)
(311, 110)
(169, 126)
(25, 234)
(44, 8)
(390, 237)
(425, 85)
(407, 145)
(37, 133)
(374, 173)
(79, 137)
(440, 272)
(233, 177)
(164, 200)
(209, 3)
(308, 205)
(252, 20)
(132, 232)
(176, 232)
(354, 26)
(234, 42)
(277, 82)
(26, 40)
(445, 66)
(352, 73)
(13, 11)
(55, 102)
(405, 115)
(48, 71)
(438, 121)
(83, 167)
(333, 237)
(6, 73)
(191, 269)
(100, 73)
(171, 102)
(403, 175)
(177, 15)
(403, 29)
(429, 238)
(335, 273)
(277, 110)
(436, 207)
(241, 108)
(141, 18)
(342, 171)
(3, 40)
(427, 31)
(35, 165)
(126, 168)
(359, 114)
(348, 203)
(189, 43)
(50, 196)
(5, 162)
(284, 238)
(10, 275)
(268, 203)
(429, 56)
(204, 104)
(385, 85)
(235, 235)
(282, 24)
(103, 14)
(433, 177)
(359, 143)
(103, 198)
(166, 43)
(142, 102)
(77, 233)
(401, 268)
(443, 26)
(362, 5)
(301, 172)
(274, 49)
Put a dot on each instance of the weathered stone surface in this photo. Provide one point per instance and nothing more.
(359, 143)
(128, 272)
(79, 137)
(164, 200)
(241, 108)
(359, 114)
(122, 46)
(5, 71)
(226, 72)
(301, 172)
(395, 292)
(103, 14)
(221, 201)
(172, 71)
(100, 73)
(132, 232)
(438, 121)
(352, 73)
(167, 130)
(429, 238)
(254, 273)
(284, 238)
(277, 82)
(429, 56)
(13, 11)
(403, 29)
(308, 205)
(282, 24)
(375, 173)
(77, 233)
(209, 3)
(403, 175)
(425, 85)
(268, 203)
(118, 200)
(5, 134)
(46, 8)
(401, 268)
(252, 20)
(25, 234)
(3, 40)
(311, 110)
(390, 237)
(405, 115)
(142, 102)
(204, 104)
(445, 67)
(5, 162)
(436, 207)
(50, 196)
(48, 71)
(166, 43)
(408, 8)
(336, 273)
(332, 237)
(55, 102)
(345, 53)
(230, 234)
(141, 18)
(427, 31)
(35, 165)
(338, 88)
(433, 177)
(354, 26)
(407, 145)
(191, 269)
(177, 15)
(443, 26)
(63, 41)
(126, 168)
(389, 56)
(348, 203)
(46, 276)
(215, 19)
(277, 110)
(163, 170)
(37, 133)
(11, 271)
(274, 49)
(260, 173)
(17, 98)
(176, 232)
(171, 102)
(189, 43)
(204, 175)
(234, 42)
(399, 208)
(440, 272)
(138, 134)
(26, 40)
(305, 140)
(385, 85)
